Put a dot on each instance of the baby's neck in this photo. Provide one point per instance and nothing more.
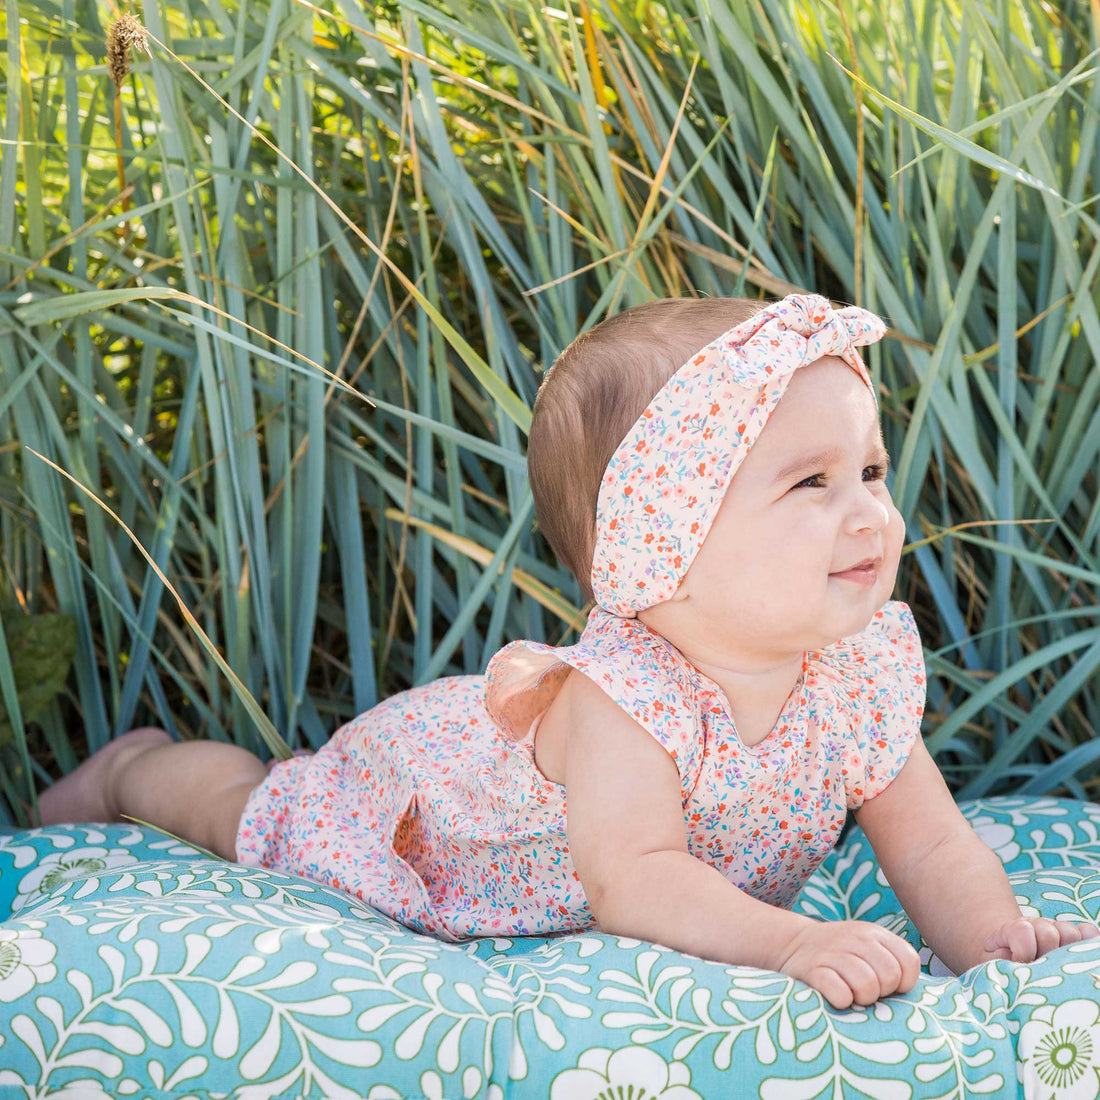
(754, 700)
(755, 687)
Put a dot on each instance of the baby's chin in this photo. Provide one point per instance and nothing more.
(857, 613)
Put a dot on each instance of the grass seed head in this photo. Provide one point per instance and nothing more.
(126, 34)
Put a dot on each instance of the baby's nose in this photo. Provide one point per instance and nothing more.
(873, 512)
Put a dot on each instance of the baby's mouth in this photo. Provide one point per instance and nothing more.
(864, 572)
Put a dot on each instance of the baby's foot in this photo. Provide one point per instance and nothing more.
(83, 794)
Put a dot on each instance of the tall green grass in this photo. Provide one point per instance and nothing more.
(298, 365)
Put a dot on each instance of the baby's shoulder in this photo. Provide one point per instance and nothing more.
(581, 702)
(578, 704)
(581, 710)
(581, 698)
(617, 676)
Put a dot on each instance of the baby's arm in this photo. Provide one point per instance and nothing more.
(628, 841)
(950, 882)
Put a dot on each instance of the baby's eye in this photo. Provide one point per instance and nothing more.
(878, 473)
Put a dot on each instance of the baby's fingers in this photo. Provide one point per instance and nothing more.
(889, 967)
(1047, 936)
(1071, 931)
(1033, 937)
(831, 986)
(908, 959)
(1019, 937)
(862, 978)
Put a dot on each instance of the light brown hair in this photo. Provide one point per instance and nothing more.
(591, 396)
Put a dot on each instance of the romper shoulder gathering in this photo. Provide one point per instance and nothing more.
(430, 807)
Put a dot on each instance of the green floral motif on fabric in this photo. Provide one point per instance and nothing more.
(629, 1073)
(26, 962)
(1059, 1050)
(71, 868)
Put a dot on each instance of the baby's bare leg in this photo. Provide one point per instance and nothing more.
(195, 790)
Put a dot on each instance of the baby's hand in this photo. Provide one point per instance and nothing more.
(851, 961)
(1027, 938)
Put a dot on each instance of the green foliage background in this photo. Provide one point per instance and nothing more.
(296, 359)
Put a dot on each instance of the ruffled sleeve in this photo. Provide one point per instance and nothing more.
(633, 665)
(877, 678)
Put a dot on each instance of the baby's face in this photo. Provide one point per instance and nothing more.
(765, 580)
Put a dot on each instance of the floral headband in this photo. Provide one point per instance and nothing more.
(667, 478)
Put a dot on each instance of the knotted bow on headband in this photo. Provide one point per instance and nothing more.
(667, 478)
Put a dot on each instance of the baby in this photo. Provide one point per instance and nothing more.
(713, 473)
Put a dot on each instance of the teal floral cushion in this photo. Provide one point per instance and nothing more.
(132, 965)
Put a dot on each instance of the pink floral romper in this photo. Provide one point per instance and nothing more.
(430, 808)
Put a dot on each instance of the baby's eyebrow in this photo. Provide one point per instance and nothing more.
(833, 454)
